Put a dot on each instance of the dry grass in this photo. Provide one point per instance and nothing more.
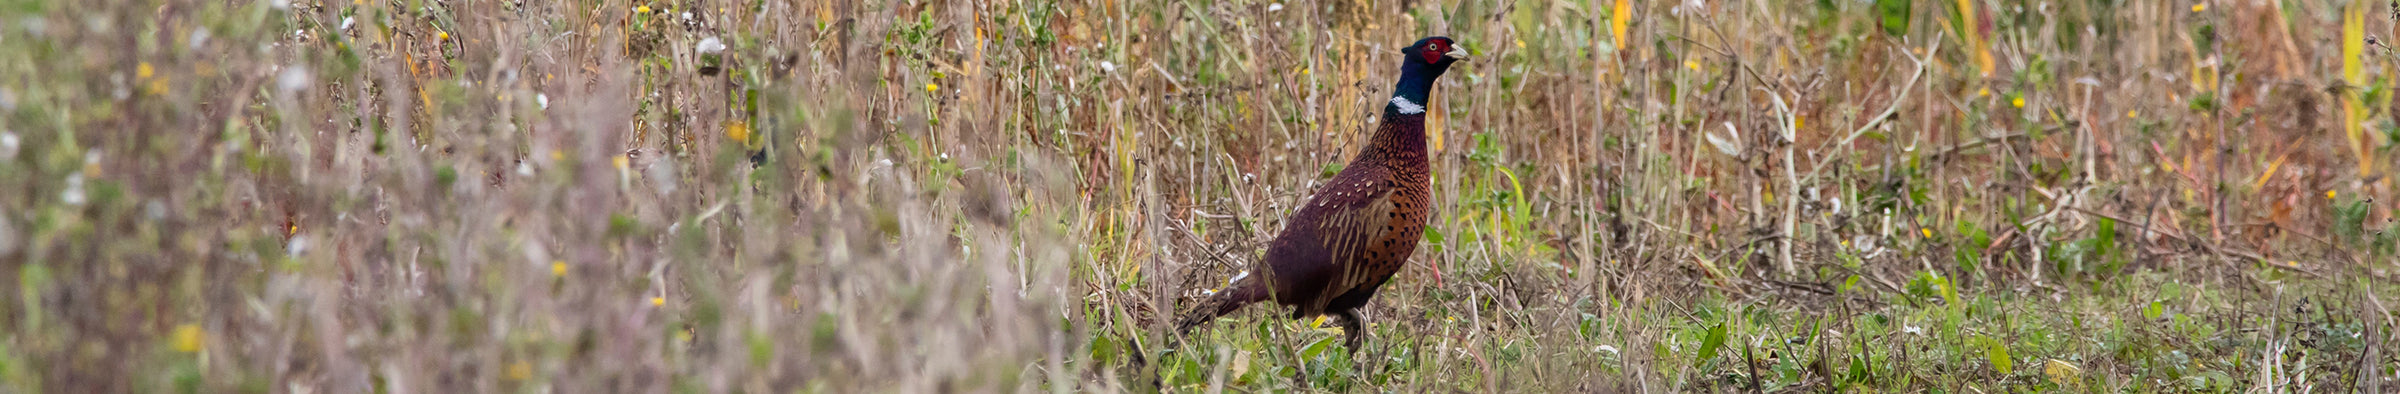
(431, 196)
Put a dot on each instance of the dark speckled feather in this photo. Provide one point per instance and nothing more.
(1359, 229)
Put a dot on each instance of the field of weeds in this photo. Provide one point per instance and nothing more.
(936, 196)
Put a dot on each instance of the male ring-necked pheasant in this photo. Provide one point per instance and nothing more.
(1357, 230)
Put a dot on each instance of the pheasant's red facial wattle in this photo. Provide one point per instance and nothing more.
(1434, 50)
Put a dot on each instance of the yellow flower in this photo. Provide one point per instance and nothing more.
(1928, 232)
(439, 35)
(658, 301)
(556, 155)
(2197, 7)
(1520, 44)
(619, 161)
(2329, 194)
(2019, 102)
(144, 72)
(737, 130)
(930, 88)
(187, 338)
(520, 370)
(2130, 114)
(1983, 92)
(558, 268)
(641, 10)
(1693, 64)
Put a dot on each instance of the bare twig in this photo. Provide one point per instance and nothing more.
(1900, 97)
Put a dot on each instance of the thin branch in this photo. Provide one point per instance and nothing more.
(1889, 111)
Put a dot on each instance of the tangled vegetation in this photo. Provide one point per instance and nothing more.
(933, 196)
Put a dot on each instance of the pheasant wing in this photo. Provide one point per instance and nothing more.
(1336, 242)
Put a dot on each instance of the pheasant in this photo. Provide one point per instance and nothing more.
(1357, 231)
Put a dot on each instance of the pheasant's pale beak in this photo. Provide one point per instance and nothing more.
(1457, 53)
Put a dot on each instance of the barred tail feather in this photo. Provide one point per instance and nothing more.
(1242, 293)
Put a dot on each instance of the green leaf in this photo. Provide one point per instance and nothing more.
(1710, 342)
(1317, 348)
(1998, 354)
(1104, 350)
(2104, 246)
(1858, 369)
(1894, 14)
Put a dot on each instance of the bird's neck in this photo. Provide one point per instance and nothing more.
(1401, 135)
(1413, 94)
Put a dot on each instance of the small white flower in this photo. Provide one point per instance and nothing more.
(711, 45)
(1690, 6)
(687, 15)
(299, 245)
(543, 99)
(1612, 350)
(8, 145)
(524, 169)
(198, 38)
(280, 4)
(1274, 7)
(1912, 329)
(293, 78)
(74, 193)
(346, 21)
(1105, 66)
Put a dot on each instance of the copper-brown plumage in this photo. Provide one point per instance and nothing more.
(1359, 229)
